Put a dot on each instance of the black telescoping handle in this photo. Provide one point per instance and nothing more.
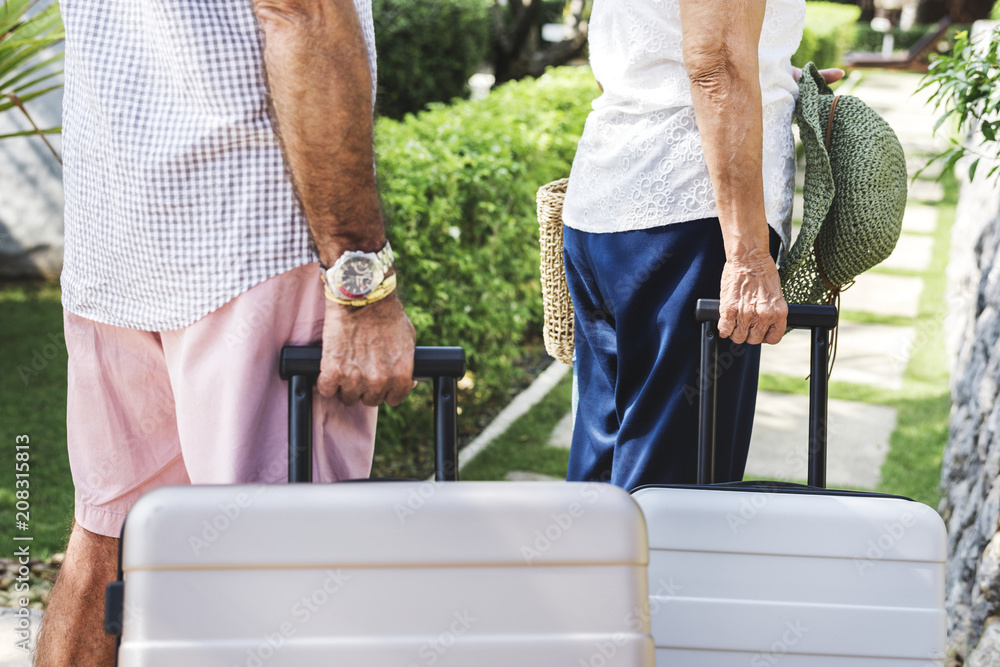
(821, 320)
(444, 366)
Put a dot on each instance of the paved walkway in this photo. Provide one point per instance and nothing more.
(869, 353)
(10, 654)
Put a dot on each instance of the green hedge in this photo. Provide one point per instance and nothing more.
(427, 51)
(829, 33)
(458, 188)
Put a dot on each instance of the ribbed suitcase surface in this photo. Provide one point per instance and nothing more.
(761, 574)
(799, 580)
(394, 573)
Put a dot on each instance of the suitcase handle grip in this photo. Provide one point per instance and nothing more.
(444, 366)
(821, 320)
(800, 315)
(428, 362)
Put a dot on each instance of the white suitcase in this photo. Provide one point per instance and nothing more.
(374, 574)
(760, 574)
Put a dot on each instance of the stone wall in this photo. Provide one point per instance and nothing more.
(970, 473)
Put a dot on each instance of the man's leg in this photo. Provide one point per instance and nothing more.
(122, 437)
(73, 631)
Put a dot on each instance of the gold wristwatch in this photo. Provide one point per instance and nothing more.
(359, 278)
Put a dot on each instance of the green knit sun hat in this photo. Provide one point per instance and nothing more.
(854, 193)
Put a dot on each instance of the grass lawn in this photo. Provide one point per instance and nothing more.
(33, 403)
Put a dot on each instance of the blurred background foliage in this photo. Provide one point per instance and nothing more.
(427, 51)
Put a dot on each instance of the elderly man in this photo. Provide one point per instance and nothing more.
(213, 152)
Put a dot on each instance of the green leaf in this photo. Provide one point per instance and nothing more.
(32, 133)
(989, 131)
(10, 61)
(952, 157)
(965, 85)
(6, 104)
(25, 52)
(11, 14)
(940, 121)
(8, 84)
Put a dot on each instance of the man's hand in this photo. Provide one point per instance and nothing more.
(367, 353)
(320, 80)
(751, 308)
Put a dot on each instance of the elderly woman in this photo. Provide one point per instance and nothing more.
(681, 189)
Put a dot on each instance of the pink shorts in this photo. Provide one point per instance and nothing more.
(200, 405)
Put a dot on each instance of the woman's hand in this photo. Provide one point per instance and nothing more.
(751, 307)
(829, 75)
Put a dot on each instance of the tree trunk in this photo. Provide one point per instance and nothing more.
(967, 11)
(558, 54)
(517, 43)
(960, 11)
(514, 37)
(931, 11)
(867, 11)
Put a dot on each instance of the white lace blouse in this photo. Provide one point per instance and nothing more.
(640, 164)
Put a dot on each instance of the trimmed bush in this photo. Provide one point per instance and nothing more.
(427, 51)
(458, 188)
(828, 34)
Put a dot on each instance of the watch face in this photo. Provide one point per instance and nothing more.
(357, 277)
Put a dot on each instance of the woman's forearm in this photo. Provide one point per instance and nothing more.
(721, 39)
(720, 54)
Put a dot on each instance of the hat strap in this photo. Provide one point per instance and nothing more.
(829, 123)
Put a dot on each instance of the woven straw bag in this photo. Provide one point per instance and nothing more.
(558, 307)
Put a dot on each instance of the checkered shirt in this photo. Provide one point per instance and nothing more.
(177, 195)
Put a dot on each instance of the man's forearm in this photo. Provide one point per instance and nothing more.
(720, 54)
(320, 83)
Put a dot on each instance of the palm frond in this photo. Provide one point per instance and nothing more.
(12, 13)
(25, 57)
(10, 83)
(30, 133)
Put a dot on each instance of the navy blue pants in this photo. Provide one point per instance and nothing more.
(638, 351)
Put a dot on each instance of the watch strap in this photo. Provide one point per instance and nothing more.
(384, 289)
(384, 256)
